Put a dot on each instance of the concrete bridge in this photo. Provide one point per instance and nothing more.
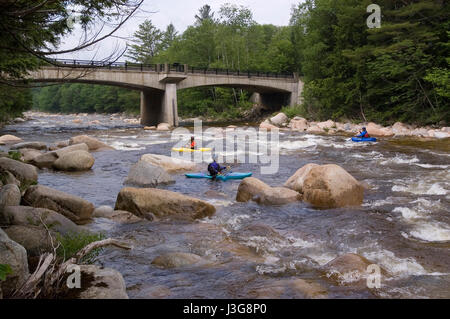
(158, 84)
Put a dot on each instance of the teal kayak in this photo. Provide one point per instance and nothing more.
(364, 139)
(220, 177)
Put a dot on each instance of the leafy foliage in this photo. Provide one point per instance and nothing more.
(5, 270)
(72, 243)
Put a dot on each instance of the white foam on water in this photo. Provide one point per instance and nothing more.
(400, 159)
(432, 166)
(296, 145)
(432, 232)
(421, 188)
(126, 146)
(407, 213)
(399, 267)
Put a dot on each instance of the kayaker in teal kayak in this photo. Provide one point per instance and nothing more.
(363, 133)
(214, 168)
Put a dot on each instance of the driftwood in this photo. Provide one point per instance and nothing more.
(46, 279)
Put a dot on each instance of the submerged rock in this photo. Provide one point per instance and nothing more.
(175, 260)
(119, 216)
(145, 202)
(347, 269)
(14, 255)
(73, 207)
(145, 174)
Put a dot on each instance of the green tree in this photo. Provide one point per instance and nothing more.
(148, 41)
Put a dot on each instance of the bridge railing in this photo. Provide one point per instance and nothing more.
(175, 67)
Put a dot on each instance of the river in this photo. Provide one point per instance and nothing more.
(403, 224)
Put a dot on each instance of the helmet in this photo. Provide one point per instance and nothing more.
(364, 128)
(214, 157)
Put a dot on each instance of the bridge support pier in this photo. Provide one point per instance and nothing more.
(159, 106)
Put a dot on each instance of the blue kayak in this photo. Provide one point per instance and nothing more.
(220, 177)
(364, 139)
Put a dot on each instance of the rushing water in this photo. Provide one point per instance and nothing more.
(403, 224)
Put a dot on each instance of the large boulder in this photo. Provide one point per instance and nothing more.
(252, 188)
(175, 260)
(29, 154)
(74, 161)
(279, 119)
(143, 202)
(327, 186)
(32, 145)
(314, 129)
(401, 129)
(100, 283)
(298, 124)
(49, 158)
(163, 127)
(326, 125)
(10, 196)
(377, 130)
(9, 139)
(92, 143)
(267, 125)
(36, 240)
(7, 177)
(296, 181)
(73, 207)
(31, 216)
(147, 175)
(25, 173)
(171, 165)
(15, 256)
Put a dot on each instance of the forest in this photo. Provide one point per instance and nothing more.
(398, 72)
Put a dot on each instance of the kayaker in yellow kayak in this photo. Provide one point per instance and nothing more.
(192, 144)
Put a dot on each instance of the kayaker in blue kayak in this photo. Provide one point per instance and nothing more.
(214, 168)
(363, 133)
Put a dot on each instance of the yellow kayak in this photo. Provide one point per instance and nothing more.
(184, 149)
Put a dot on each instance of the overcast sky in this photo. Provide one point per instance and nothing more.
(182, 14)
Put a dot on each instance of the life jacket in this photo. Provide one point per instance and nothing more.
(193, 144)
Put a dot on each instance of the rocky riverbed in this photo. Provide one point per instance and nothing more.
(309, 231)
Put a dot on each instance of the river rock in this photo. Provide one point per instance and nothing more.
(100, 283)
(441, 134)
(73, 207)
(401, 129)
(29, 154)
(9, 139)
(119, 216)
(49, 158)
(149, 128)
(299, 288)
(147, 175)
(314, 129)
(92, 143)
(327, 186)
(267, 125)
(14, 255)
(32, 145)
(326, 125)
(163, 127)
(252, 188)
(25, 173)
(347, 269)
(171, 165)
(30, 216)
(143, 202)
(279, 119)
(10, 196)
(7, 178)
(74, 161)
(36, 240)
(377, 130)
(298, 124)
(295, 182)
(175, 260)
